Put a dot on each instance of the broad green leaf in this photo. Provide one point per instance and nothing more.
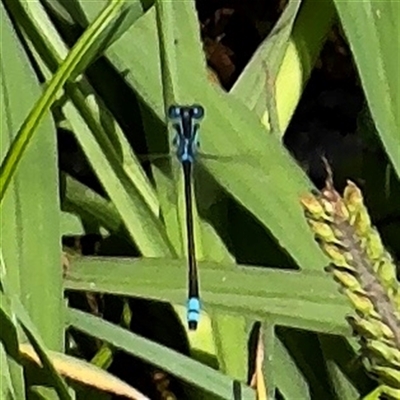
(193, 372)
(306, 300)
(30, 237)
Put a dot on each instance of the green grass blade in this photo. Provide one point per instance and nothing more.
(269, 342)
(71, 225)
(230, 335)
(30, 212)
(7, 391)
(266, 181)
(338, 359)
(176, 48)
(168, 360)
(38, 344)
(254, 292)
(86, 203)
(141, 223)
(288, 376)
(89, 40)
(372, 30)
(281, 66)
(9, 345)
(73, 12)
(171, 94)
(108, 151)
(255, 87)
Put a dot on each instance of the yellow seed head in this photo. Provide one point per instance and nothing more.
(362, 222)
(311, 204)
(338, 256)
(362, 303)
(374, 247)
(347, 280)
(341, 210)
(327, 206)
(323, 231)
(352, 195)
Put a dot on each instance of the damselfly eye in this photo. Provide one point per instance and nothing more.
(197, 111)
(174, 112)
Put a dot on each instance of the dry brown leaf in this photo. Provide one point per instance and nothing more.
(257, 381)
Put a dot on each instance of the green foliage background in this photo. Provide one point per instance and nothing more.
(156, 55)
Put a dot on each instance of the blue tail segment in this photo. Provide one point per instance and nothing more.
(193, 312)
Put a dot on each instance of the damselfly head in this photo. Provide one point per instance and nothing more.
(195, 111)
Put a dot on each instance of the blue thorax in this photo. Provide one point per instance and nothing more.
(185, 122)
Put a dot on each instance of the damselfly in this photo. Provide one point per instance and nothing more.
(186, 124)
(185, 121)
